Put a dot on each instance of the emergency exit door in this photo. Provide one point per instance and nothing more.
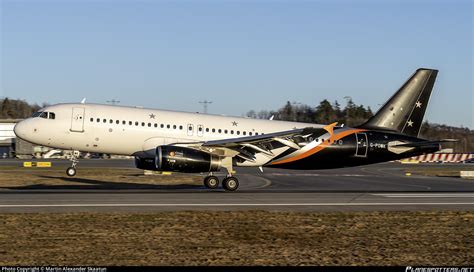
(77, 121)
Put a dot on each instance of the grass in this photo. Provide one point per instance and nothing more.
(238, 238)
(100, 178)
(439, 171)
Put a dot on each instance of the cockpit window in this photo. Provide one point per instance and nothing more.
(44, 114)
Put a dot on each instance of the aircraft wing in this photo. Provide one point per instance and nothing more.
(248, 147)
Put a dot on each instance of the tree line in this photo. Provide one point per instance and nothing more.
(353, 115)
(16, 109)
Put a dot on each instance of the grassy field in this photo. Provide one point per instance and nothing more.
(238, 238)
(99, 178)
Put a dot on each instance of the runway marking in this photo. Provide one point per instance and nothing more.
(267, 182)
(430, 195)
(318, 175)
(228, 204)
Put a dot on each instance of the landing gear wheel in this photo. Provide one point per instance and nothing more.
(211, 182)
(71, 171)
(230, 184)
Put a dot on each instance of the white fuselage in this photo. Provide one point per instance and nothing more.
(130, 131)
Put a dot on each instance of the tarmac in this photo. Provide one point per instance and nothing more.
(380, 187)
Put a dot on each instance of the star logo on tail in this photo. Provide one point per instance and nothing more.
(418, 104)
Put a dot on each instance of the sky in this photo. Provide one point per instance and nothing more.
(241, 55)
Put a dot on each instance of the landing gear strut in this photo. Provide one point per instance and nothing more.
(71, 171)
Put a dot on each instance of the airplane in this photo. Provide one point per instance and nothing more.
(163, 140)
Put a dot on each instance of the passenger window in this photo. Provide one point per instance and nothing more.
(105, 120)
(238, 132)
(117, 122)
(225, 131)
(136, 123)
(98, 120)
(200, 128)
(180, 127)
(213, 130)
(143, 124)
(231, 132)
(162, 126)
(174, 126)
(124, 122)
(52, 115)
(111, 121)
(149, 124)
(92, 119)
(245, 132)
(156, 125)
(250, 133)
(219, 131)
(207, 129)
(130, 122)
(168, 126)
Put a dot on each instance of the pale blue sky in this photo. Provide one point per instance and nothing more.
(242, 55)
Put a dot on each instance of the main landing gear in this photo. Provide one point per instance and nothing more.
(229, 183)
(71, 171)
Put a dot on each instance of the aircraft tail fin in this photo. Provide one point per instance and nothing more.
(405, 110)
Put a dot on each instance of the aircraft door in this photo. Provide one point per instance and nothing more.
(362, 145)
(190, 130)
(200, 131)
(77, 120)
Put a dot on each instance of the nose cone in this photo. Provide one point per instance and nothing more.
(20, 130)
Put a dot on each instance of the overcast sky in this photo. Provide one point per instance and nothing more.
(242, 55)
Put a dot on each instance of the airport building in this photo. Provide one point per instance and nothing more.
(7, 138)
(11, 146)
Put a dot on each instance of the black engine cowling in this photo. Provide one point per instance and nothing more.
(180, 159)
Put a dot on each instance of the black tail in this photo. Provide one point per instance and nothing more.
(405, 110)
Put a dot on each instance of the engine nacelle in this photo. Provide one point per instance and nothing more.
(180, 159)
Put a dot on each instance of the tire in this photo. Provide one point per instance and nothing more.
(211, 182)
(71, 171)
(230, 184)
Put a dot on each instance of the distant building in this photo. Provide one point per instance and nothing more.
(7, 138)
(10, 145)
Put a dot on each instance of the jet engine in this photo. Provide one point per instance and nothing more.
(180, 159)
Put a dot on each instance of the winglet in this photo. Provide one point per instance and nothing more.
(83, 101)
(330, 130)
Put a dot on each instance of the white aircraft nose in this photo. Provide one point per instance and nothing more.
(19, 130)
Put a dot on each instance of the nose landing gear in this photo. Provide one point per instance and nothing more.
(71, 171)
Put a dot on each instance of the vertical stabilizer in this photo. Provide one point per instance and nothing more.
(405, 110)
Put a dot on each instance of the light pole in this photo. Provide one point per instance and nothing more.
(205, 103)
(113, 102)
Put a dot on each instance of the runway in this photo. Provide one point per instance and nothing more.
(379, 187)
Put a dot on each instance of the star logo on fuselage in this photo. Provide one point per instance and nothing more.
(234, 123)
(152, 116)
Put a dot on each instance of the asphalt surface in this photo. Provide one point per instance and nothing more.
(378, 187)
